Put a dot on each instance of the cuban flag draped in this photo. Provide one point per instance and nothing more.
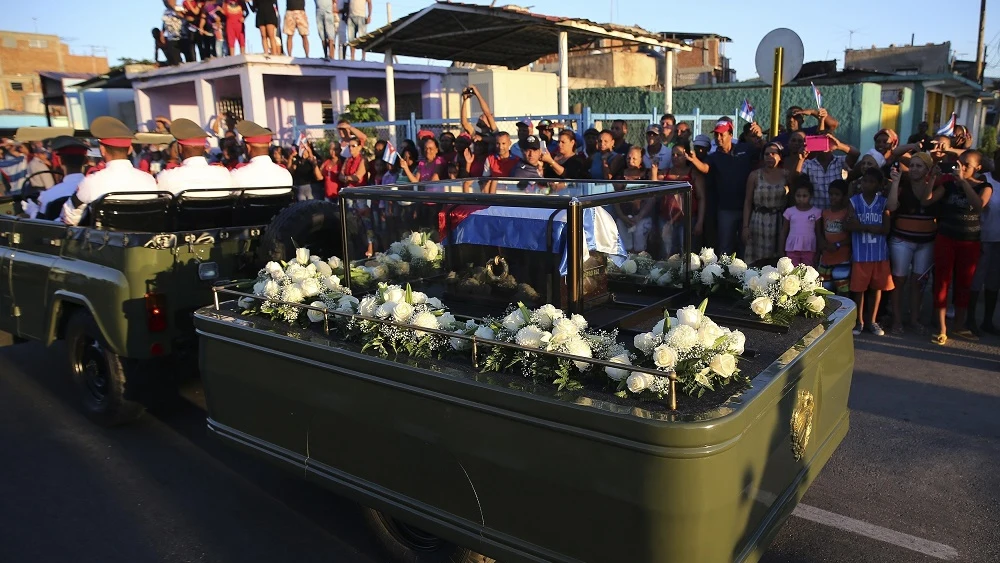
(949, 127)
(746, 111)
(389, 155)
(819, 97)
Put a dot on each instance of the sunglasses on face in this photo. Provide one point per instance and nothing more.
(353, 146)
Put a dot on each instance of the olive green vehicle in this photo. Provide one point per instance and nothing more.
(457, 465)
(121, 289)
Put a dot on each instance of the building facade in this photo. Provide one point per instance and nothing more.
(24, 55)
(932, 58)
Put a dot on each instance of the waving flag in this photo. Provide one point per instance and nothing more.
(746, 111)
(389, 156)
(949, 128)
(819, 97)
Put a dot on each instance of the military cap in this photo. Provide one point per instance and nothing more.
(254, 134)
(111, 132)
(66, 145)
(188, 133)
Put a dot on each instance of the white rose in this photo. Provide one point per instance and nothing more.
(770, 274)
(347, 303)
(316, 316)
(385, 310)
(579, 347)
(513, 321)
(418, 297)
(658, 327)
(415, 251)
(397, 248)
(297, 273)
(739, 342)
(564, 329)
(761, 306)
(292, 294)
(738, 267)
(530, 336)
(756, 284)
(416, 238)
(460, 343)
(245, 302)
(665, 357)
(485, 332)
(690, 316)
(446, 321)
(637, 382)
(682, 338)
(425, 319)
(367, 306)
(430, 250)
(811, 275)
(629, 266)
(785, 265)
(644, 342)
(394, 294)
(708, 256)
(310, 287)
(401, 311)
(274, 270)
(702, 379)
(311, 269)
(323, 269)
(618, 374)
(579, 321)
(816, 304)
(434, 303)
(546, 316)
(272, 289)
(258, 288)
(665, 279)
(790, 285)
(694, 262)
(302, 256)
(332, 283)
(334, 263)
(723, 364)
(708, 334)
(711, 273)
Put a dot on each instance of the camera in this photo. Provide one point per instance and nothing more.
(467, 92)
(947, 167)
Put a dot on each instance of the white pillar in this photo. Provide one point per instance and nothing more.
(340, 95)
(143, 109)
(668, 81)
(254, 102)
(390, 94)
(204, 93)
(563, 73)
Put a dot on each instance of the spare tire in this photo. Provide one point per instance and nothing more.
(313, 224)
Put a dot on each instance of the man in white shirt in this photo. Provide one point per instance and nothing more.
(194, 173)
(117, 176)
(73, 154)
(260, 171)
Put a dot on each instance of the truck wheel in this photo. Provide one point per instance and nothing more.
(98, 373)
(406, 544)
(314, 224)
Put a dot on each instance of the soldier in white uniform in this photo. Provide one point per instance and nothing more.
(118, 175)
(194, 173)
(259, 171)
(73, 154)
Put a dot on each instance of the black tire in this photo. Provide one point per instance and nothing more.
(99, 374)
(403, 543)
(314, 224)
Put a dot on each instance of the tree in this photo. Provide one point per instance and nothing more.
(988, 141)
(361, 111)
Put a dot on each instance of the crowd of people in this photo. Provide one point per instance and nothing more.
(202, 29)
(895, 219)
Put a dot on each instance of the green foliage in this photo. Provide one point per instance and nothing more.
(364, 110)
(988, 140)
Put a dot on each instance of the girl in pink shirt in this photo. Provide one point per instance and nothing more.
(801, 226)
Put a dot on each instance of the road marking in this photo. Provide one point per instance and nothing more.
(906, 541)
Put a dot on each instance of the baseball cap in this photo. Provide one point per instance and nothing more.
(526, 122)
(702, 141)
(543, 124)
(653, 129)
(532, 142)
(723, 125)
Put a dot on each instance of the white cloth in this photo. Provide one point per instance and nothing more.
(195, 173)
(118, 176)
(261, 172)
(65, 188)
(990, 218)
(357, 8)
(663, 157)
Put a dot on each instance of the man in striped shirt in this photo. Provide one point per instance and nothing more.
(825, 167)
(868, 222)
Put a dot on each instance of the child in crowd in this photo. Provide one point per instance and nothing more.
(800, 228)
(634, 218)
(835, 244)
(868, 222)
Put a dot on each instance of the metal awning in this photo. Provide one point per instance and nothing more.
(507, 36)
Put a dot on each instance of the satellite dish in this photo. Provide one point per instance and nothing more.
(791, 61)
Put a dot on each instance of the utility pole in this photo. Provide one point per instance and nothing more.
(980, 48)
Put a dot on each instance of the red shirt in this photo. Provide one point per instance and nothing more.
(501, 167)
(330, 172)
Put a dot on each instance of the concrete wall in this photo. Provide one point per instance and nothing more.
(513, 92)
(926, 59)
(24, 55)
(173, 101)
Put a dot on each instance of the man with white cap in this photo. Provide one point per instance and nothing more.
(260, 171)
(194, 173)
(117, 176)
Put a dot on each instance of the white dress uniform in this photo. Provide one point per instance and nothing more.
(261, 172)
(195, 173)
(65, 188)
(117, 176)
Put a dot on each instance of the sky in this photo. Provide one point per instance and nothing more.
(121, 28)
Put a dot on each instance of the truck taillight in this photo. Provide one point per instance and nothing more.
(156, 312)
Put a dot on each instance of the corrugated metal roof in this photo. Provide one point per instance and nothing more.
(506, 36)
(62, 75)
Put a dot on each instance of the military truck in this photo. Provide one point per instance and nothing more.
(456, 462)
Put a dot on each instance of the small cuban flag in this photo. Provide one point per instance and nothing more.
(389, 156)
(819, 97)
(949, 128)
(746, 111)
(302, 141)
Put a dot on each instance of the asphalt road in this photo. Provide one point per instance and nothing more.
(915, 480)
